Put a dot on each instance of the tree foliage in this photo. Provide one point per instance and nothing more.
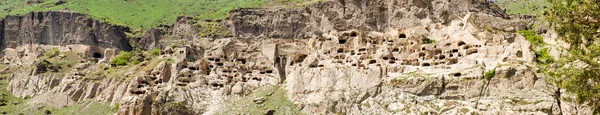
(122, 59)
(577, 22)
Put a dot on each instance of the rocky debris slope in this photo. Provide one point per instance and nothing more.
(351, 57)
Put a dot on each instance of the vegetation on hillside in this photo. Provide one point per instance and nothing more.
(541, 53)
(578, 23)
(139, 13)
(122, 58)
(530, 7)
(259, 102)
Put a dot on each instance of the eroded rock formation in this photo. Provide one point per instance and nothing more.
(347, 56)
(61, 28)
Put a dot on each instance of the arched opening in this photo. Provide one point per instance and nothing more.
(215, 84)
(421, 54)
(96, 55)
(396, 50)
(353, 34)
(362, 49)
(457, 74)
(243, 61)
(402, 36)
(342, 41)
(372, 61)
(426, 64)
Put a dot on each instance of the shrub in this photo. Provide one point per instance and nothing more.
(155, 51)
(490, 74)
(543, 57)
(135, 62)
(122, 59)
(52, 53)
(116, 107)
(427, 41)
(532, 37)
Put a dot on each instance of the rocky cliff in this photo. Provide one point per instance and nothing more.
(61, 28)
(334, 57)
(378, 15)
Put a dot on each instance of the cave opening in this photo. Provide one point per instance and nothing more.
(342, 41)
(96, 55)
(353, 34)
(402, 36)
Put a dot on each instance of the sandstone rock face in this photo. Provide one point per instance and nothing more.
(347, 57)
(61, 28)
(377, 15)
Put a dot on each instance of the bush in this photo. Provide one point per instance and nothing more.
(116, 107)
(155, 51)
(490, 74)
(532, 37)
(135, 62)
(122, 59)
(427, 41)
(543, 57)
(52, 53)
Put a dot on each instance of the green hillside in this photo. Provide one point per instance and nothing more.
(138, 13)
(532, 7)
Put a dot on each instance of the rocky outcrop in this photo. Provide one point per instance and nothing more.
(372, 15)
(61, 28)
(350, 56)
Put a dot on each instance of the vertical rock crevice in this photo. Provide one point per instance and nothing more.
(2, 45)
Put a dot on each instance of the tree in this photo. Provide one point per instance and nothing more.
(577, 22)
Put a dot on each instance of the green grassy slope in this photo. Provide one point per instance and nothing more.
(531, 7)
(275, 98)
(139, 13)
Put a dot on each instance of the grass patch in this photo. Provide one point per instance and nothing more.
(532, 37)
(155, 51)
(66, 61)
(530, 7)
(543, 57)
(7, 99)
(140, 14)
(275, 99)
(212, 29)
(52, 53)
